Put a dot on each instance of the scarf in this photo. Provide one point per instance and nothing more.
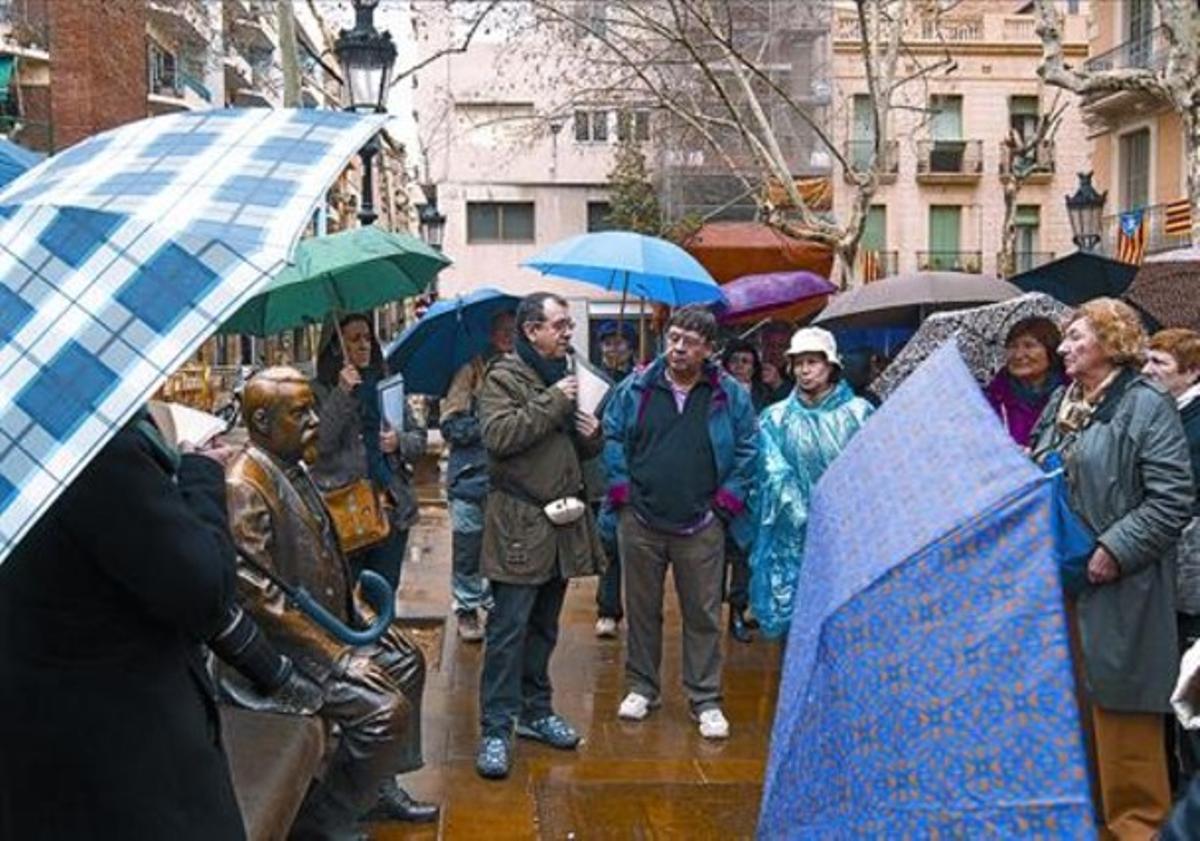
(1076, 410)
(1033, 395)
(549, 371)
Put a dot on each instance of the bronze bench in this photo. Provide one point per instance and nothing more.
(272, 759)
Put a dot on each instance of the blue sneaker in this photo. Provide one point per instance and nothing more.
(493, 758)
(551, 729)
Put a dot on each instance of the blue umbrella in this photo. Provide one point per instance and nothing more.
(927, 686)
(122, 254)
(448, 336)
(632, 264)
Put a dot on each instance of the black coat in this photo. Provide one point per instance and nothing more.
(108, 727)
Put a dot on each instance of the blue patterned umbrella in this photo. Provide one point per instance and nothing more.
(927, 689)
(632, 264)
(121, 255)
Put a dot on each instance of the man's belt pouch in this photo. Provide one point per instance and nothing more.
(564, 511)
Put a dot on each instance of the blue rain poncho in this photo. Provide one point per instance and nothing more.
(797, 442)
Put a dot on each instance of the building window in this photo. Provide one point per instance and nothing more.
(597, 216)
(162, 66)
(591, 126)
(945, 223)
(1028, 222)
(497, 221)
(633, 125)
(874, 236)
(1023, 116)
(946, 120)
(1135, 169)
(592, 18)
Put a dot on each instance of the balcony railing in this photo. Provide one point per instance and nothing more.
(1148, 52)
(1040, 161)
(970, 262)
(858, 154)
(955, 29)
(950, 158)
(1157, 237)
(1023, 261)
(887, 263)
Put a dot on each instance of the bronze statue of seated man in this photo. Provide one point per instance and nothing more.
(283, 531)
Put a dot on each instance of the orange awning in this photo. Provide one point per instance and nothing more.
(730, 250)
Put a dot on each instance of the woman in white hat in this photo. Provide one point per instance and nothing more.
(798, 439)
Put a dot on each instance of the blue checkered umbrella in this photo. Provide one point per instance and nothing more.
(121, 255)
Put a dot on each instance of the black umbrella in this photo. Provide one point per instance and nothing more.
(1077, 278)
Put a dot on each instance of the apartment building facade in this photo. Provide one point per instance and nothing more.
(520, 144)
(1140, 149)
(940, 205)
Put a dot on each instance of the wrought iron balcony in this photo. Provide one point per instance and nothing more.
(970, 262)
(1149, 52)
(887, 263)
(1023, 261)
(1038, 162)
(1161, 235)
(858, 154)
(949, 161)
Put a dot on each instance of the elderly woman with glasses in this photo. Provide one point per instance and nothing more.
(1122, 444)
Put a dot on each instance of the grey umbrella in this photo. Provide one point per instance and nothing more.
(979, 331)
(905, 300)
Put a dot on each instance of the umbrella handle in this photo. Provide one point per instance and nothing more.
(378, 594)
(337, 328)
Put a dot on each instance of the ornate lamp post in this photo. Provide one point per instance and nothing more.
(366, 56)
(432, 222)
(1084, 209)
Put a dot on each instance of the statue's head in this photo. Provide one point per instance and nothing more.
(280, 414)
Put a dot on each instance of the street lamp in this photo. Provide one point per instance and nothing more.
(1084, 209)
(431, 221)
(366, 56)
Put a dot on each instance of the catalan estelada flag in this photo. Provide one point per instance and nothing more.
(1131, 237)
(871, 268)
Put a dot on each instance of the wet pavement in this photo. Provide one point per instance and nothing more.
(651, 779)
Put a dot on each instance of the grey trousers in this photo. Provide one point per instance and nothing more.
(698, 566)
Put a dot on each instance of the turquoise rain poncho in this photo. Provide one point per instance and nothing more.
(797, 442)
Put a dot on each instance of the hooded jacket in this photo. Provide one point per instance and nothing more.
(534, 457)
(797, 444)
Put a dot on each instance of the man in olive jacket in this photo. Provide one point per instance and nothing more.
(535, 439)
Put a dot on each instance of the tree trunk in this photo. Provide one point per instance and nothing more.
(1191, 128)
(1007, 264)
(289, 58)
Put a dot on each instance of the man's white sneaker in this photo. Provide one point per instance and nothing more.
(713, 724)
(635, 707)
(606, 627)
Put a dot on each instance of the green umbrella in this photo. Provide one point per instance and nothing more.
(350, 271)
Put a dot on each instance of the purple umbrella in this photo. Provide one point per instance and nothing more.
(774, 294)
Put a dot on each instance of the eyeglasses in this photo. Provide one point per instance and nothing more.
(685, 340)
(562, 325)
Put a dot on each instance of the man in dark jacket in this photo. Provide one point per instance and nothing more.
(535, 438)
(467, 481)
(108, 725)
(680, 447)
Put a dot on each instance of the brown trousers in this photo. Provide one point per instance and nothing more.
(697, 563)
(1131, 773)
(1128, 758)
